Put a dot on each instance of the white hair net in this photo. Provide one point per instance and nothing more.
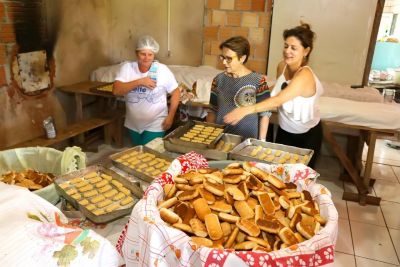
(148, 42)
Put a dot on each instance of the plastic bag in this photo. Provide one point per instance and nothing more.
(46, 160)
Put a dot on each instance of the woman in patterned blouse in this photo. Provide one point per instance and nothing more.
(238, 86)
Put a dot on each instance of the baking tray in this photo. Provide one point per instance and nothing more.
(215, 154)
(88, 214)
(136, 173)
(98, 89)
(243, 152)
(174, 136)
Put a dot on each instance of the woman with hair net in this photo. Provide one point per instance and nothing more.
(145, 84)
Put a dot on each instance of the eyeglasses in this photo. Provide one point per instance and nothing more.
(228, 59)
(284, 85)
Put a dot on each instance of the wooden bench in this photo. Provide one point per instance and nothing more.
(74, 130)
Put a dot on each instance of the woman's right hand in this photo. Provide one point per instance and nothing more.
(148, 83)
(237, 115)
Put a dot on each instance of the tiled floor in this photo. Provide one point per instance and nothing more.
(369, 236)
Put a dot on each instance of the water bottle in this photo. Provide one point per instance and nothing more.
(153, 71)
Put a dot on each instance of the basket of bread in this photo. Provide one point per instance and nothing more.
(243, 213)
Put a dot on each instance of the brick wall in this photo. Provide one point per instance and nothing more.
(22, 30)
(226, 18)
(20, 22)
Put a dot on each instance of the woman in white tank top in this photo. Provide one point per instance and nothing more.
(295, 95)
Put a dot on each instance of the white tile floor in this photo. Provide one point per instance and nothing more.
(369, 236)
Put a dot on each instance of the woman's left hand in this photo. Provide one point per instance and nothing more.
(167, 123)
(236, 115)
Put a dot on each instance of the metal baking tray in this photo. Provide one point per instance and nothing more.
(136, 173)
(98, 88)
(87, 213)
(215, 154)
(243, 152)
(174, 136)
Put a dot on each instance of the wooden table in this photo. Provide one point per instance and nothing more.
(86, 88)
(351, 159)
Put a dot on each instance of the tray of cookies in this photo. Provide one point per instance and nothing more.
(255, 150)
(99, 193)
(225, 144)
(197, 134)
(142, 162)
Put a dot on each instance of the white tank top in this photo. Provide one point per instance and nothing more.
(301, 113)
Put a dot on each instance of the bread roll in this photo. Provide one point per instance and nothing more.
(216, 189)
(252, 203)
(169, 216)
(269, 226)
(181, 208)
(201, 207)
(213, 178)
(287, 236)
(295, 219)
(206, 195)
(184, 187)
(188, 195)
(258, 213)
(201, 241)
(168, 203)
(243, 209)
(169, 190)
(221, 206)
(213, 226)
(183, 227)
(284, 201)
(190, 213)
(246, 245)
(243, 188)
(254, 183)
(198, 228)
(260, 242)
(233, 179)
(228, 217)
(179, 180)
(248, 227)
(226, 228)
(232, 171)
(235, 193)
(232, 238)
(266, 203)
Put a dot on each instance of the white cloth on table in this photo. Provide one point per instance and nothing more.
(34, 233)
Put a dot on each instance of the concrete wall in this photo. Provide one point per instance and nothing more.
(95, 33)
(343, 30)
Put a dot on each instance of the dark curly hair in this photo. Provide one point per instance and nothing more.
(239, 45)
(304, 34)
